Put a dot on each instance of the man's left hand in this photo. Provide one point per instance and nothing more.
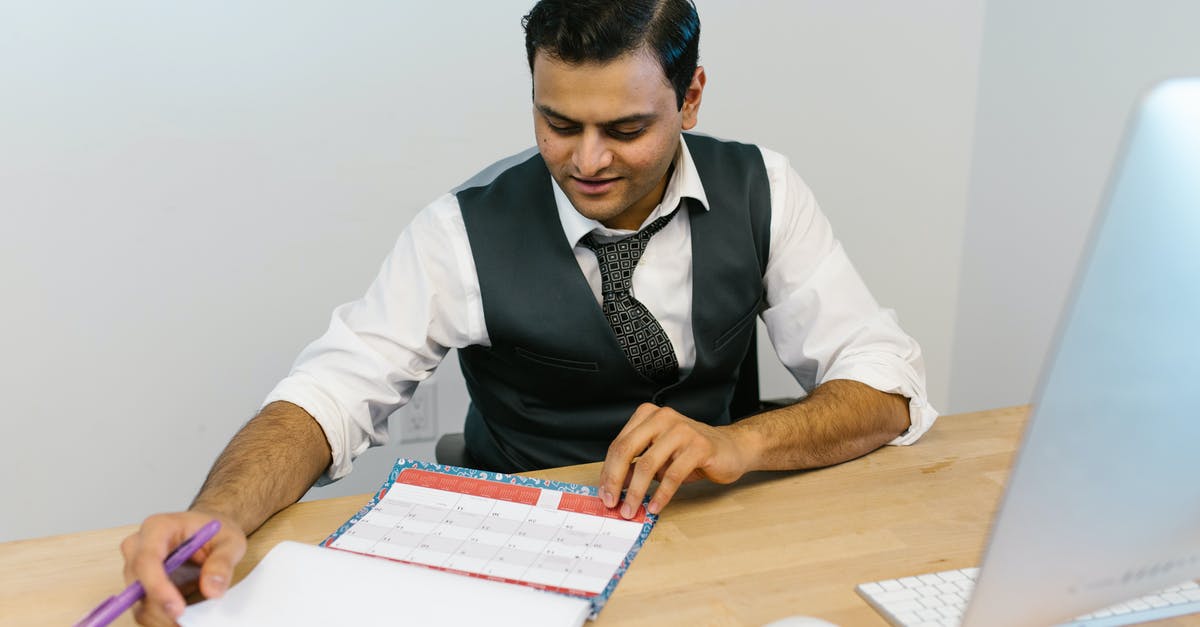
(661, 443)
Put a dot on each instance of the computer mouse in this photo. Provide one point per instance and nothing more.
(800, 621)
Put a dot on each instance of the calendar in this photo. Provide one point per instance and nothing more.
(549, 535)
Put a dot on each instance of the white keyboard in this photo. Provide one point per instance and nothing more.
(939, 599)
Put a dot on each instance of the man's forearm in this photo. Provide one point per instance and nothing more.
(267, 466)
(839, 421)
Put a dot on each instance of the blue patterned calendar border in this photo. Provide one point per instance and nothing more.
(598, 600)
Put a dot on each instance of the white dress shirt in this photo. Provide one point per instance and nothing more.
(822, 320)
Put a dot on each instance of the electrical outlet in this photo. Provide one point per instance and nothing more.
(419, 419)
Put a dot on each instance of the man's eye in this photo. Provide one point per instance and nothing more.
(563, 130)
(621, 134)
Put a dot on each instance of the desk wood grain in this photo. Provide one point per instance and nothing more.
(772, 545)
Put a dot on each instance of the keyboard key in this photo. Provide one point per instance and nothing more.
(929, 603)
(954, 575)
(947, 588)
(1138, 605)
(872, 588)
(951, 600)
(1174, 598)
(928, 591)
(905, 606)
(903, 594)
(930, 580)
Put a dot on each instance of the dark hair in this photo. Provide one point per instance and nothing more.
(578, 31)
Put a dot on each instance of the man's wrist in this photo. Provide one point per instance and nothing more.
(749, 445)
(216, 510)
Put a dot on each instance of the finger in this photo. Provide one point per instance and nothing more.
(128, 549)
(681, 470)
(628, 444)
(695, 475)
(629, 474)
(151, 616)
(649, 465)
(158, 536)
(217, 563)
(143, 613)
(640, 415)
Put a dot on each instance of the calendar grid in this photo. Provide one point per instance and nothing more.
(546, 535)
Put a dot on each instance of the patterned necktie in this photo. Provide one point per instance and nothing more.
(641, 338)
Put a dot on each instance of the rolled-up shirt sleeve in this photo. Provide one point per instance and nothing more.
(822, 319)
(377, 349)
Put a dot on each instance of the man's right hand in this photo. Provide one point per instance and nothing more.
(146, 549)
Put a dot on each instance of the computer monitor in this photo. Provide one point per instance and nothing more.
(1103, 503)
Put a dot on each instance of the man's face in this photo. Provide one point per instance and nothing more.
(609, 131)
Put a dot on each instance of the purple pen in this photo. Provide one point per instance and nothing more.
(114, 606)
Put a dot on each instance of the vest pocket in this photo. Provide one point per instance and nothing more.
(738, 326)
(557, 362)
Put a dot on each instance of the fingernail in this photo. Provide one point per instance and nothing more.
(653, 507)
(607, 498)
(627, 510)
(174, 609)
(217, 583)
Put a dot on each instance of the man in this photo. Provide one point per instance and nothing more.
(602, 291)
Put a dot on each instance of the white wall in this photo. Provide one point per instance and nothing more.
(873, 101)
(189, 189)
(1058, 82)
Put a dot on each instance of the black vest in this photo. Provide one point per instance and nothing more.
(554, 388)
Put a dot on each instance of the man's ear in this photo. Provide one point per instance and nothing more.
(691, 99)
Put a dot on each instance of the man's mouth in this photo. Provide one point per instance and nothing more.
(594, 185)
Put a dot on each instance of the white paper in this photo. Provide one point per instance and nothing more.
(299, 584)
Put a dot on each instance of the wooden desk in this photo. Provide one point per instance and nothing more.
(772, 545)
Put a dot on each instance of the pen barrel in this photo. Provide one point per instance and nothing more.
(113, 606)
(130, 595)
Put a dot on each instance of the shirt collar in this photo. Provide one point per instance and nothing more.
(684, 183)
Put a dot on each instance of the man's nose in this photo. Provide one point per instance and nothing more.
(592, 155)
